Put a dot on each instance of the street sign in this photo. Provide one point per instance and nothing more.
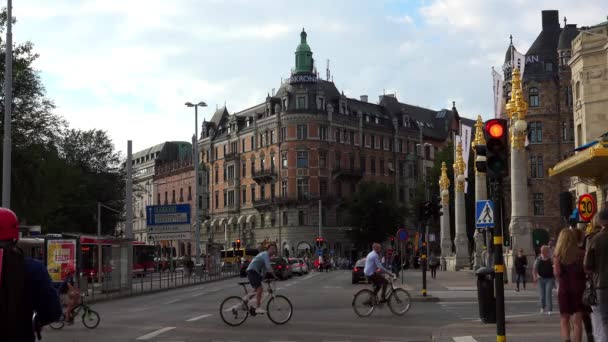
(319, 252)
(484, 214)
(172, 236)
(167, 214)
(169, 228)
(586, 207)
(402, 235)
(431, 237)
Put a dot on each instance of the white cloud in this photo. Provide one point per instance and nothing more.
(405, 19)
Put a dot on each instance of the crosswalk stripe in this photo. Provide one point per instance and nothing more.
(198, 317)
(154, 334)
(464, 339)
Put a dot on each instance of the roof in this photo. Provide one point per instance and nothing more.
(218, 115)
(252, 111)
(149, 151)
(566, 36)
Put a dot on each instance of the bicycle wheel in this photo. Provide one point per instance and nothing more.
(234, 311)
(58, 324)
(279, 309)
(364, 302)
(399, 301)
(90, 318)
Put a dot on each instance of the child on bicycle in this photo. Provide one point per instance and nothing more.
(70, 295)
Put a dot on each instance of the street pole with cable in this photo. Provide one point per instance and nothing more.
(8, 102)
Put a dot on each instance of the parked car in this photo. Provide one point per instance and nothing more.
(298, 266)
(281, 268)
(358, 274)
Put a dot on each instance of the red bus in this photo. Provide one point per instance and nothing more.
(143, 256)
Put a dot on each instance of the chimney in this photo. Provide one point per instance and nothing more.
(363, 98)
(550, 19)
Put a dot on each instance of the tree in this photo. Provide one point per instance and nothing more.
(374, 214)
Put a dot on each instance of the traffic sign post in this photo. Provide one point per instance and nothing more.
(484, 214)
(586, 207)
(402, 235)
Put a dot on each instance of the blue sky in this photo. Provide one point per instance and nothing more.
(128, 66)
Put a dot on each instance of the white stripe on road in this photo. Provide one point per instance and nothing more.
(475, 303)
(198, 317)
(154, 334)
(172, 301)
(464, 339)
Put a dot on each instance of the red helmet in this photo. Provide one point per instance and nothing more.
(9, 225)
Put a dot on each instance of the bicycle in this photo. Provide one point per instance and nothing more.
(234, 310)
(399, 300)
(90, 317)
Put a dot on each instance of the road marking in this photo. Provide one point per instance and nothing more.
(475, 303)
(332, 287)
(198, 317)
(172, 301)
(198, 294)
(527, 314)
(464, 339)
(154, 334)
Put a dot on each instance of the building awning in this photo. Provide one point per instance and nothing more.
(589, 163)
(241, 219)
(214, 223)
(232, 220)
(250, 218)
(222, 222)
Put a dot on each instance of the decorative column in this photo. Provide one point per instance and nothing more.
(519, 226)
(481, 193)
(446, 239)
(460, 240)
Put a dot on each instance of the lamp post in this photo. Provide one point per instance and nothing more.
(99, 254)
(197, 227)
(8, 102)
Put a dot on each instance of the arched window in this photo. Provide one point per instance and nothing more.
(578, 90)
(534, 97)
(262, 162)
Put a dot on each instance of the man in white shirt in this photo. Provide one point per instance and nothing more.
(373, 270)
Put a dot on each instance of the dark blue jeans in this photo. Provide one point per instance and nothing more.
(602, 295)
(521, 276)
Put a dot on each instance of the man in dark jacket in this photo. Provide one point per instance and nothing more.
(596, 261)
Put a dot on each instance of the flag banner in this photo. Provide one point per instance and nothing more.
(519, 61)
(466, 149)
(498, 84)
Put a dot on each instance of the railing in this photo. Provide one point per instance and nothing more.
(230, 156)
(347, 172)
(264, 174)
(154, 281)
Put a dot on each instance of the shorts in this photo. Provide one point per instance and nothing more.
(255, 279)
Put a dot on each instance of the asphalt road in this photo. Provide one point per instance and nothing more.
(322, 312)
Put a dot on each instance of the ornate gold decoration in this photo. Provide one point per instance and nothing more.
(459, 167)
(444, 184)
(480, 139)
(517, 108)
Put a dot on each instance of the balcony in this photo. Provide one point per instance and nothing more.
(350, 174)
(264, 176)
(230, 156)
(265, 203)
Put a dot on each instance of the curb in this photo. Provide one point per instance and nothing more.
(427, 299)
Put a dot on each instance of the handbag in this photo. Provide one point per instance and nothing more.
(590, 295)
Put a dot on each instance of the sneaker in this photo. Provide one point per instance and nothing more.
(542, 310)
(548, 313)
(260, 311)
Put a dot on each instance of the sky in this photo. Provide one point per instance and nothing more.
(128, 66)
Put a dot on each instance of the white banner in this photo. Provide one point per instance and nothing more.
(497, 84)
(519, 61)
(172, 236)
(466, 149)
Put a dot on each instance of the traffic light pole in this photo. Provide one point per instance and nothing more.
(499, 267)
(424, 255)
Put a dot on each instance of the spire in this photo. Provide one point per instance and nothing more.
(565, 21)
(444, 181)
(304, 61)
(511, 39)
(459, 168)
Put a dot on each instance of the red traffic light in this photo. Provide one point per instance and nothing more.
(392, 238)
(495, 128)
(238, 241)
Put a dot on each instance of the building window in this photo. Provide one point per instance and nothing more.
(189, 193)
(301, 218)
(272, 137)
(301, 102)
(217, 175)
(577, 90)
(536, 132)
(224, 171)
(381, 142)
(323, 133)
(262, 220)
(224, 151)
(243, 145)
(244, 195)
(338, 161)
(373, 142)
(181, 195)
(252, 193)
(158, 198)
(272, 190)
(284, 162)
(337, 135)
(352, 137)
(244, 168)
(231, 198)
(217, 199)
(323, 187)
(285, 218)
(372, 167)
(534, 97)
(231, 172)
(173, 197)
(252, 171)
(284, 188)
(225, 198)
(351, 160)
(262, 191)
(565, 58)
(302, 189)
(262, 162)
(338, 188)
(401, 169)
(539, 204)
(568, 96)
(283, 133)
(273, 162)
(302, 132)
(382, 166)
(322, 159)
(302, 160)
(565, 128)
(207, 204)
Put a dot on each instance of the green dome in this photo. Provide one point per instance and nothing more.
(304, 61)
(303, 47)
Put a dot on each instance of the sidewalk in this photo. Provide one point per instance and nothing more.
(463, 285)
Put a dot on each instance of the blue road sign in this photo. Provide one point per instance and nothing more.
(320, 252)
(332, 252)
(402, 235)
(484, 214)
(158, 215)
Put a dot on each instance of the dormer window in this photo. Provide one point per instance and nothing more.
(376, 120)
(301, 104)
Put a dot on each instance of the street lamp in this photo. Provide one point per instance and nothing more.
(197, 231)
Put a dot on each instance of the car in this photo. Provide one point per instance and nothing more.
(358, 271)
(298, 266)
(281, 268)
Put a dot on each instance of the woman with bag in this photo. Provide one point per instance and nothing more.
(543, 275)
(568, 269)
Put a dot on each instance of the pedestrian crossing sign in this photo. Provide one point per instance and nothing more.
(484, 214)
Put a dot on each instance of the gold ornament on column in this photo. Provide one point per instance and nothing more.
(480, 139)
(459, 167)
(444, 184)
(517, 108)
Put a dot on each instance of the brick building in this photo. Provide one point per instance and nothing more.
(266, 168)
(547, 89)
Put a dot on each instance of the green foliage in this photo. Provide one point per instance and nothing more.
(58, 174)
(374, 214)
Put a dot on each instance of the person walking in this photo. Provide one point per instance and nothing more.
(568, 269)
(433, 264)
(542, 272)
(521, 263)
(596, 262)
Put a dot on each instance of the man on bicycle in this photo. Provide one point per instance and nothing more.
(373, 271)
(259, 266)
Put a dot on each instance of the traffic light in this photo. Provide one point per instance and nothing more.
(392, 238)
(320, 241)
(481, 160)
(497, 148)
(238, 243)
(428, 210)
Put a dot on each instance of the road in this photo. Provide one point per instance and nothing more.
(322, 312)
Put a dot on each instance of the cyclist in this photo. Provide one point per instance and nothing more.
(25, 287)
(373, 271)
(259, 266)
(70, 294)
